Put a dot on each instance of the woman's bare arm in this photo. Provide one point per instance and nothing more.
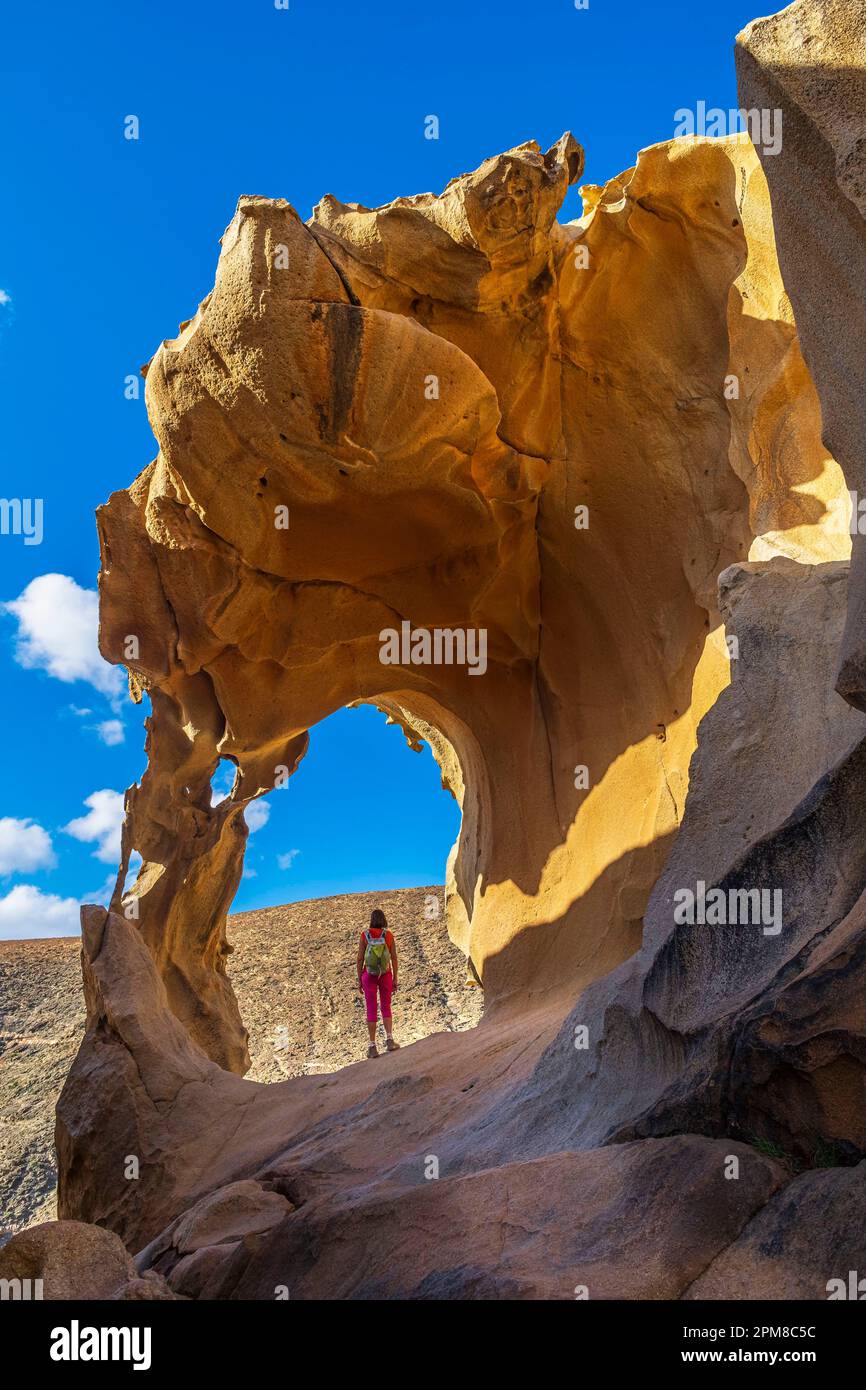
(393, 953)
(360, 961)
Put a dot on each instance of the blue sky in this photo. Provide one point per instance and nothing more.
(108, 244)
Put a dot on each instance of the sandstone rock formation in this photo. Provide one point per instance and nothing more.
(522, 1248)
(426, 395)
(809, 63)
(598, 444)
(809, 1233)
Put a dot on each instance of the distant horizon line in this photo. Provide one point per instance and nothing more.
(249, 911)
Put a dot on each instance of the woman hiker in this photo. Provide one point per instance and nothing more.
(377, 976)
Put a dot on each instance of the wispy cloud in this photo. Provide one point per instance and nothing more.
(24, 847)
(111, 731)
(101, 825)
(58, 622)
(286, 861)
(26, 911)
(256, 815)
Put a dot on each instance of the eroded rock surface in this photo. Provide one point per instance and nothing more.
(808, 1237)
(809, 63)
(600, 445)
(398, 415)
(501, 1233)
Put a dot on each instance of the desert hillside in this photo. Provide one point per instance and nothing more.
(293, 972)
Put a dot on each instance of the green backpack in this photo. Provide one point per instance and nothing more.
(377, 957)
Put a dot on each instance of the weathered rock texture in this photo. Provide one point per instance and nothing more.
(43, 1023)
(62, 1261)
(809, 62)
(432, 392)
(71, 1258)
(427, 392)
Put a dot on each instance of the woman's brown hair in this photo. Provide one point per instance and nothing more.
(378, 919)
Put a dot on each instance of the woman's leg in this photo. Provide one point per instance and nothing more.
(385, 983)
(371, 999)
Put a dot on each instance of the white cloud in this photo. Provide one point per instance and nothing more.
(256, 815)
(5, 298)
(80, 711)
(111, 731)
(101, 825)
(26, 911)
(286, 861)
(58, 622)
(24, 846)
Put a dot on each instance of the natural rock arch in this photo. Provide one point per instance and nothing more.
(568, 1128)
(641, 363)
(397, 416)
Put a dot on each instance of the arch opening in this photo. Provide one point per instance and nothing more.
(366, 821)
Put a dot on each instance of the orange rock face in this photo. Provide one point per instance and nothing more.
(554, 496)
(482, 469)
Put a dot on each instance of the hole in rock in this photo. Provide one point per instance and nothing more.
(363, 823)
(222, 781)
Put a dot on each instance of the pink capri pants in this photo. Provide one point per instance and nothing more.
(374, 986)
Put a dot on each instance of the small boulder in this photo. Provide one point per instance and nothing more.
(73, 1259)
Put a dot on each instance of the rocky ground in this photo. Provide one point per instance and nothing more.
(293, 970)
(41, 1019)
